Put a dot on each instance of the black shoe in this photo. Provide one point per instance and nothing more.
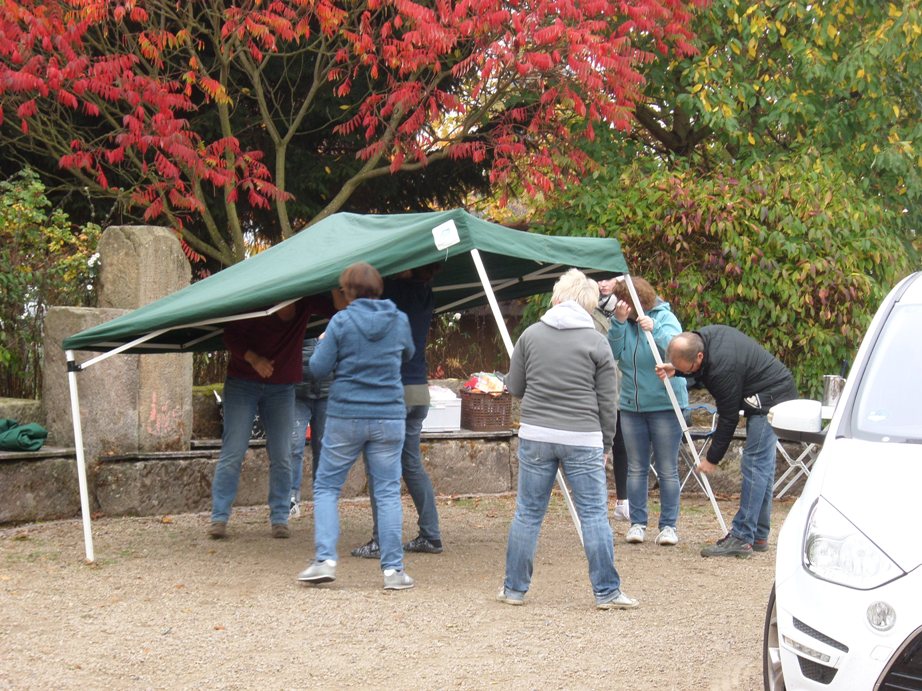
(728, 546)
(422, 544)
(370, 550)
(760, 546)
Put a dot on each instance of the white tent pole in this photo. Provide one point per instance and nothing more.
(81, 461)
(703, 481)
(504, 332)
(491, 298)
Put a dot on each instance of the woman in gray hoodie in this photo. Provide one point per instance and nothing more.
(563, 370)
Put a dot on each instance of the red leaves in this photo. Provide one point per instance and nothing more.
(478, 79)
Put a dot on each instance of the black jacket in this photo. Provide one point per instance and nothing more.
(741, 376)
(311, 388)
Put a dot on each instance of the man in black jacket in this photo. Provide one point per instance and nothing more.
(741, 376)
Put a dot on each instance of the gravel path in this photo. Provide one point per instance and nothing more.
(164, 607)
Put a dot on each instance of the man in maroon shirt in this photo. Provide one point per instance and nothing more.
(265, 364)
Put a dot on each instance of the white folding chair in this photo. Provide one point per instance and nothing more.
(799, 465)
(701, 436)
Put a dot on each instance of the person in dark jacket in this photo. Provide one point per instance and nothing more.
(310, 411)
(412, 292)
(741, 376)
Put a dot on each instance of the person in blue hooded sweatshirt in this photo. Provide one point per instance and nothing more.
(648, 420)
(365, 344)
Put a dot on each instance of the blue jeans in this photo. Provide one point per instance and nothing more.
(343, 440)
(275, 405)
(313, 412)
(753, 520)
(414, 474)
(660, 431)
(584, 468)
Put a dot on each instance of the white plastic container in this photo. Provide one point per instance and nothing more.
(444, 411)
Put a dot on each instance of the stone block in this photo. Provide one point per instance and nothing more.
(23, 410)
(127, 402)
(469, 466)
(39, 489)
(164, 402)
(139, 264)
(108, 391)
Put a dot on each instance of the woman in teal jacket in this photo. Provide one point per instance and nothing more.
(648, 420)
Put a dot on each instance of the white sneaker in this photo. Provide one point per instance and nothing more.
(636, 533)
(294, 510)
(397, 580)
(621, 601)
(622, 511)
(319, 572)
(667, 537)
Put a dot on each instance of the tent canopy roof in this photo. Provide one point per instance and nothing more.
(518, 264)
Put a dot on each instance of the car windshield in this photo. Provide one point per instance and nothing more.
(887, 402)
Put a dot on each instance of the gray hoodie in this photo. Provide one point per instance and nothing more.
(564, 372)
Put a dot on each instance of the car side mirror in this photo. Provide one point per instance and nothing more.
(798, 420)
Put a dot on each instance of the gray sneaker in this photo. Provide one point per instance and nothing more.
(319, 572)
(728, 546)
(760, 546)
(397, 580)
(422, 544)
(370, 550)
(510, 597)
(617, 600)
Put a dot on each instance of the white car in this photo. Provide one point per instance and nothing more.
(846, 608)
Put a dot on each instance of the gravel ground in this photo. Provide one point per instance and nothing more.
(165, 607)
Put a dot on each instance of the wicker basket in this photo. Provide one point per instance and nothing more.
(483, 412)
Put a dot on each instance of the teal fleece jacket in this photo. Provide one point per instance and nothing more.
(641, 390)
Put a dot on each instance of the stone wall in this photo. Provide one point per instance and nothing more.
(43, 485)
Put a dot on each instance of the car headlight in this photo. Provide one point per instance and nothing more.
(836, 551)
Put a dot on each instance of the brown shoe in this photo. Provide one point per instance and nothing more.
(280, 530)
(760, 546)
(217, 530)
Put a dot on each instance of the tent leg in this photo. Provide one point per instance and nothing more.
(702, 479)
(507, 340)
(81, 461)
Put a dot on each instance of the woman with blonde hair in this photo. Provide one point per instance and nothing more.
(562, 369)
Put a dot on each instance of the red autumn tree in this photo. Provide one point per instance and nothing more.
(190, 110)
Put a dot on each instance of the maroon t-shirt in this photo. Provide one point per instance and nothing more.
(274, 339)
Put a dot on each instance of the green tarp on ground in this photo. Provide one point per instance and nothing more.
(518, 264)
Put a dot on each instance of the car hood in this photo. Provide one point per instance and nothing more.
(878, 487)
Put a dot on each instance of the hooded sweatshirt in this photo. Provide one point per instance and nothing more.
(563, 370)
(365, 344)
(641, 390)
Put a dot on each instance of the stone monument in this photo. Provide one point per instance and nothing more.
(129, 403)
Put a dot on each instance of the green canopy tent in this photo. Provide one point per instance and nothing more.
(483, 263)
(518, 264)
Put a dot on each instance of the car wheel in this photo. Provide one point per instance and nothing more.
(772, 674)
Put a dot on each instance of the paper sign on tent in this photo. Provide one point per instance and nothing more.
(445, 235)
